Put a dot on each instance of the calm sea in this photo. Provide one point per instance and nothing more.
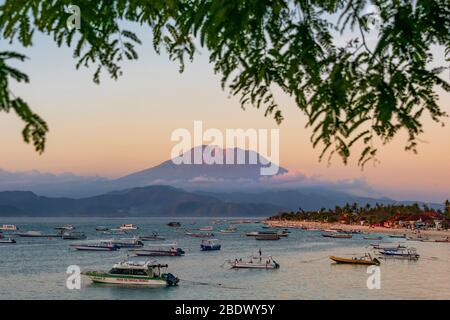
(35, 268)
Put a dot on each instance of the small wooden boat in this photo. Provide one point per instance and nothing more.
(366, 260)
(210, 245)
(134, 273)
(100, 246)
(373, 238)
(337, 236)
(101, 228)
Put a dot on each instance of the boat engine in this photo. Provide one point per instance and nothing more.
(171, 279)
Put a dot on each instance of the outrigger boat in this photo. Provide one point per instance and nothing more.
(134, 273)
(254, 262)
(210, 245)
(366, 260)
(337, 236)
(159, 250)
(99, 246)
(409, 253)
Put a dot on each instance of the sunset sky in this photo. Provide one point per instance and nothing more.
(122, 126)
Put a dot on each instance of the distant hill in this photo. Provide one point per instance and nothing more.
(146, 201)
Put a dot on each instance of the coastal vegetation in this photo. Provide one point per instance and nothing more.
(395, 215)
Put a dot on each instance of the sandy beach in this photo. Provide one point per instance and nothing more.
(430, 233)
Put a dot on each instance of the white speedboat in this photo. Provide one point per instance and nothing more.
(144, 273)
(254, 262)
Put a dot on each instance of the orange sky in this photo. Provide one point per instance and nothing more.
(123, 126)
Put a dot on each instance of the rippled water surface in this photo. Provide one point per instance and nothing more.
(35, 268)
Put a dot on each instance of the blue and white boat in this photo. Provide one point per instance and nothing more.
(210, 245)
(95, 246)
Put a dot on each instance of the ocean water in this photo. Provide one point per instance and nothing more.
(35, 268)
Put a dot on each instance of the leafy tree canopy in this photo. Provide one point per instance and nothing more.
(350, 92)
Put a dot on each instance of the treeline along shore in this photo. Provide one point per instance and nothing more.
(391, 219)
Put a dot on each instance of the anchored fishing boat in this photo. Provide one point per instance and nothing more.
(365, 260)
(254, 262)
(73, 236)
(128, 243)
(380, 246)
(337, 236)
(9, 227)
(408, 253)
(159, 250)
(97, 246)
(135, 273)
(210, 245)
(101, 228)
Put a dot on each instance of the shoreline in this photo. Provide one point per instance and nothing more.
(431, 234)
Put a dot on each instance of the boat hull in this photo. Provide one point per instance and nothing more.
(253, 266)
(92, 248)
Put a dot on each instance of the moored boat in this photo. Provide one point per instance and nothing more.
(199, 235)
(145, 273)
(229, 229)
(373, 238)
(210, 245)
(73, 236)
(4, 240)
(159, 250)
(408, 253)
(207, 228)
(9, 227)
(337, 236)
(66, 227)
(97, 246)
(128, 226)
(269, 236)
(101, 228)
(365, 260)
(152, 237)
(400, 236)
(37, 234)
(254, 262)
